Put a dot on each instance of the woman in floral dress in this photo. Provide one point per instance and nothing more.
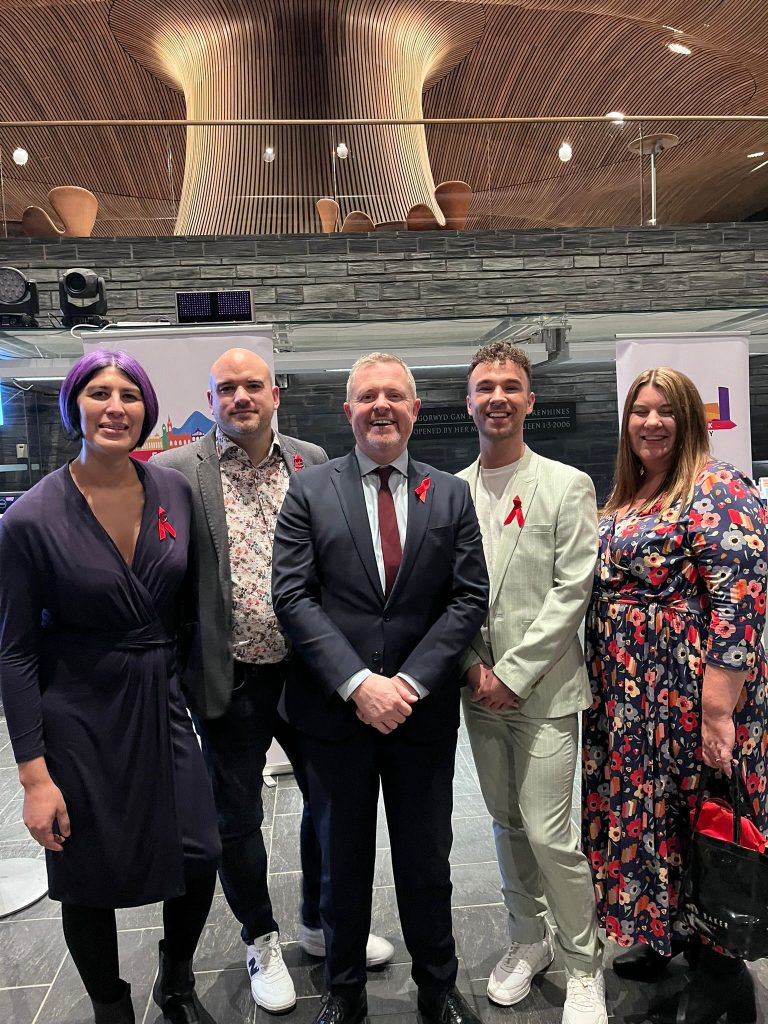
(678, 676)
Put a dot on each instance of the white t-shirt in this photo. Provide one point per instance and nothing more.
(493, 503)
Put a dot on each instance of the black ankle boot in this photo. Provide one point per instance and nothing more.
(119, 1012)
(174, 992)
(719, 985)
(641, 963)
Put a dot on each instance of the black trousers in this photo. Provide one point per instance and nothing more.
(416, 781)
(235, 749)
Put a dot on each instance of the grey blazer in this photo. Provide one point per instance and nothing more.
(207, 664)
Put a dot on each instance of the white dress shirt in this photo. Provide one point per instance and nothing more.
(398, 485)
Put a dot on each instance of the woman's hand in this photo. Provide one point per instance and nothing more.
(718, 738)
(720, 694)
(43, 804)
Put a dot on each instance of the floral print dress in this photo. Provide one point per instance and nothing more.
(671, 593)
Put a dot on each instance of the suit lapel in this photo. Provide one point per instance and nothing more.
(212, 496)
(522, 486)
(289, 455)
(349, 487)
(419, 515)
(473, 472)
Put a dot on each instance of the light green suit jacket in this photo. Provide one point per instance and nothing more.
(541, 581)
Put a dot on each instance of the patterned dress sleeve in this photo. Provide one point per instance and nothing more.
(729, 540)
(21, 610)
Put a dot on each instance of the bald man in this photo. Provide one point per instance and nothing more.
(236, 653)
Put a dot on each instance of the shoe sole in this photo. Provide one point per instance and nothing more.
(378, 961)
(315, 951)
(319, 954)
(513, 1002)
(275, 1011)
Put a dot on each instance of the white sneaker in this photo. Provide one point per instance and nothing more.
(271, 985)
(585, 1000)
(512, 976)
(378, 950)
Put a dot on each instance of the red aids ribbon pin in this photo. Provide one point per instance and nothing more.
(163, 526)
(421, 490)
(298, 463)
(516, 513)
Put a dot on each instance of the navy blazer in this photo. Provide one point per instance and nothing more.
(328, 597)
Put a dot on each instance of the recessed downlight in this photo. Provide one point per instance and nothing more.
(565, 152)
(679, 48)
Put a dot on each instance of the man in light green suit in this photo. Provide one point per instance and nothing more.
(526, 684)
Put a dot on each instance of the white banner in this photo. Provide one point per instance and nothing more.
(178, 361)
(718, 364)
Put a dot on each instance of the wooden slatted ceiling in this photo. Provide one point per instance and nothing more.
(390, 58)
(333, 58)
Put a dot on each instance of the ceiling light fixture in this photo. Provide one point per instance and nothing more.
(616, 117)
(20, 156)
(669, 28)
(268, 155)
(565, 152)
(753, 156)
(759, 166)
(342, 151)
(679, 48)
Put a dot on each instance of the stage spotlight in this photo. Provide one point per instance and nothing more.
(75, 288)
(18, 299)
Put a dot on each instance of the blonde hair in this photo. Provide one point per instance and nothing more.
(379, 357)
(691, 452)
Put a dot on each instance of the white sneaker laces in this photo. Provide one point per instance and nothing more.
(584, 992)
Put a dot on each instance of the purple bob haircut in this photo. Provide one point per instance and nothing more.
(87, 367)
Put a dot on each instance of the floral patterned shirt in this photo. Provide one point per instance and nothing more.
(253, 497)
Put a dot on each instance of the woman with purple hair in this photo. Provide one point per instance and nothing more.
(92, 561)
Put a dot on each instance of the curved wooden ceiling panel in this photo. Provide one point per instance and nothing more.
(217, 59)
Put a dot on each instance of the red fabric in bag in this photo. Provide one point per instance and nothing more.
(716, 820)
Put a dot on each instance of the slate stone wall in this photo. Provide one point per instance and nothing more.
(431, 274)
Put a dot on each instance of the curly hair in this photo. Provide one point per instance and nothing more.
(502, 352)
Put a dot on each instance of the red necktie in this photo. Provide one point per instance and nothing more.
(388, 531)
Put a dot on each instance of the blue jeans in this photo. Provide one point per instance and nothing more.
(235, 749)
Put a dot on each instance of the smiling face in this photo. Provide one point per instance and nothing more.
(111, 412)
(652, 430)
(242, 397)
(382, 410)
(499, 399)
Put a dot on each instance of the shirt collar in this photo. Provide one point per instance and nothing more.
(369, 466)
(225, 446)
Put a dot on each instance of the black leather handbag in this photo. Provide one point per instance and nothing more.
(725, 886)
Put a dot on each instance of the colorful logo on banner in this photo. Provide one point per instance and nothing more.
(168, 436)
(719, 412)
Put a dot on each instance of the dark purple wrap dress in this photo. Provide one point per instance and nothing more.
(89, 681)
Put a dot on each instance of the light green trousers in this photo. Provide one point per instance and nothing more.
(526, 768)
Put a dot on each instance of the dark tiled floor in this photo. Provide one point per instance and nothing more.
(39, 985)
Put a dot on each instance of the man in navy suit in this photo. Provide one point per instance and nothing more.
(380, 583)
